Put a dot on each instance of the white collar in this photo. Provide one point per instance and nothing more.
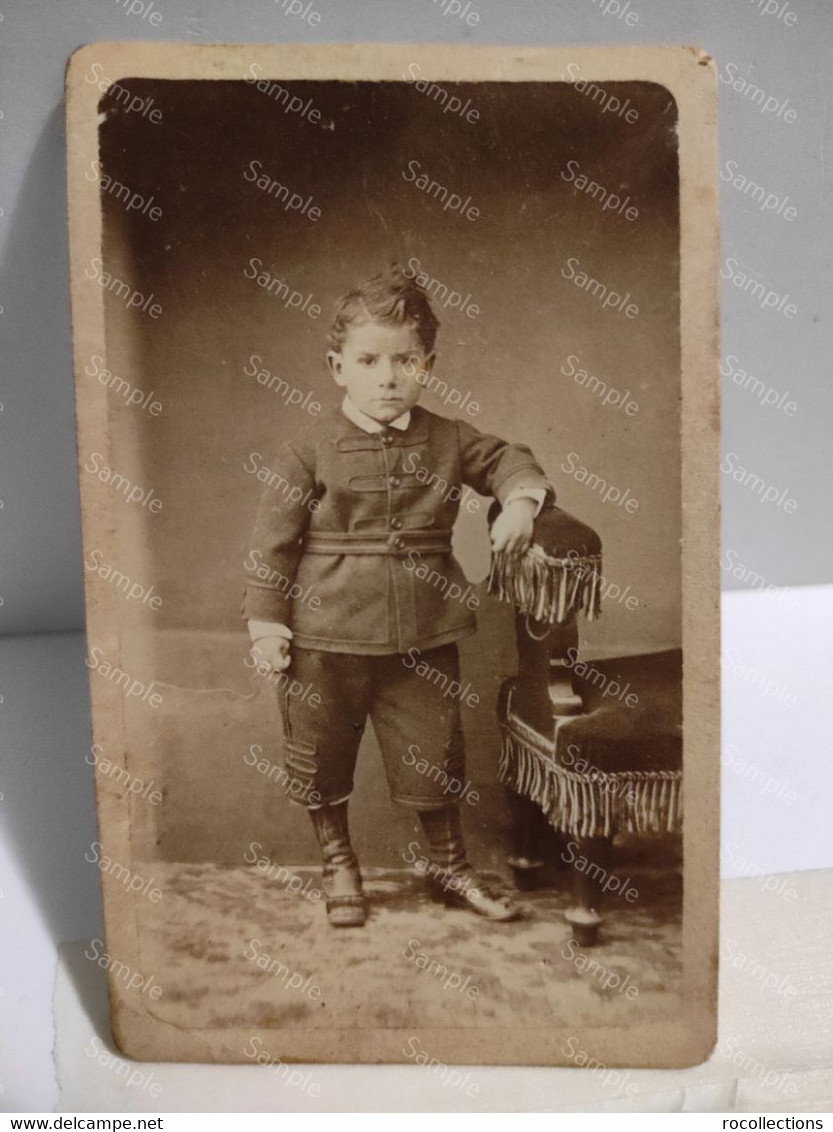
(354, 414)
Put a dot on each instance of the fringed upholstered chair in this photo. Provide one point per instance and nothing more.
(587, 749)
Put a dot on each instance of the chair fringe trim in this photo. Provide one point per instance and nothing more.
(592, 804)
(548, 589)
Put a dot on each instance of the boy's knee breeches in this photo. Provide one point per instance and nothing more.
(416, 719)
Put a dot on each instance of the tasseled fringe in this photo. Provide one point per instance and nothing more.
(594, 804)
(548, 589)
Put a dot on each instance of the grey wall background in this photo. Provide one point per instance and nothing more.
(41, 575)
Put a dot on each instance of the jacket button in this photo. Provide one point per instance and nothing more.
(394, 481)
(387, 438)
(399, 543)
(396, 523)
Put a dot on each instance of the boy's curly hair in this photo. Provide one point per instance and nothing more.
(392, 298)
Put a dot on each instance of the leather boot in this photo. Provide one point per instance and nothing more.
(451, 878)
(342, 881)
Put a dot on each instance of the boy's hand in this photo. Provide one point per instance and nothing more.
(512, 529)
(275, 651)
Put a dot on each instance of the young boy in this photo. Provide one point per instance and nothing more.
(359, 525)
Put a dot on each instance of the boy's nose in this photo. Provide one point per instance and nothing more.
(387, 374)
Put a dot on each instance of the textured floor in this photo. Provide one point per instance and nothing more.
(414, 964)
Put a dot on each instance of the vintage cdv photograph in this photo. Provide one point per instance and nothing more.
(396, 388)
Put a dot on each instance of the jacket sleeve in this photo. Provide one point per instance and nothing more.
(282, 519)
(493, 467)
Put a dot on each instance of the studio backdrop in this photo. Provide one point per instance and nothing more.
(543, 220)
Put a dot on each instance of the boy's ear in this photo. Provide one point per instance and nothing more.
(428, 363)
(334, 364)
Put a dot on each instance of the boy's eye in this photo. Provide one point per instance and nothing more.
(367, 360)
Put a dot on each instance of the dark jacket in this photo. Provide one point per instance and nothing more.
(352, 544)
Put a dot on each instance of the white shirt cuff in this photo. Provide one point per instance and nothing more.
(258, 630)
(536, 493)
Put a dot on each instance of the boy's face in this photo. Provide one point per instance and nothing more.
(379, 366)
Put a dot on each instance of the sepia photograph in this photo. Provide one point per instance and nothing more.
(415, 563)
(397, 407)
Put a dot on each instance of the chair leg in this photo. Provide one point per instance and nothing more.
(528, 824)
(591, 864)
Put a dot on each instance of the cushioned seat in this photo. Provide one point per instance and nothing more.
(638, 725)
(617, 765)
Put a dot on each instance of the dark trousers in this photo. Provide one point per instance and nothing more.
(415, 713)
